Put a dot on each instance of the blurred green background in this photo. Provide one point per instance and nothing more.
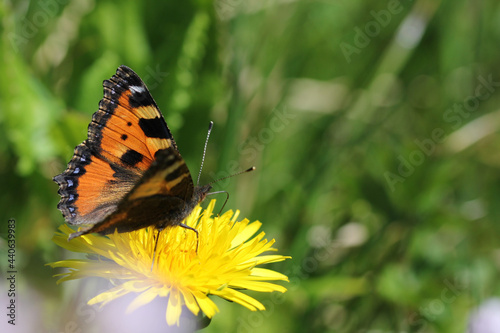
(373, 126)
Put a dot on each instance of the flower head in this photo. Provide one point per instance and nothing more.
(226, 261)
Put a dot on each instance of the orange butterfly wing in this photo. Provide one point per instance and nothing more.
(125, 135)
(163, 197)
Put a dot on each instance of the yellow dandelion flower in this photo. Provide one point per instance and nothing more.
(225, 263)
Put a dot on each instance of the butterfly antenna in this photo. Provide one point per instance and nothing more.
(205, 150)
(234, 174)
(226, 192)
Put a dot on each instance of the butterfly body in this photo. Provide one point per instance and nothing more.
(128, 174)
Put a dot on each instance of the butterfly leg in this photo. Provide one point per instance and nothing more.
(227, 198)
(196, 231)
(154, 251)
(78, 233)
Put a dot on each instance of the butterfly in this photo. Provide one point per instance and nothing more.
(128, 174)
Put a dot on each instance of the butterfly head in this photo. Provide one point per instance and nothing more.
(200, 193)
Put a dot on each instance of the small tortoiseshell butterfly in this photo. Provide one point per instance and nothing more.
(128, 174)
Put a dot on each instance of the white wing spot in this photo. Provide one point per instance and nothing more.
(70, 183)
(77, 170)
(137, 89)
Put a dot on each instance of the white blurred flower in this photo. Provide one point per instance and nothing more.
(486, 318)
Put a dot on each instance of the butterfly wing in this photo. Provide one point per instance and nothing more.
(124, 137)
(162, 197)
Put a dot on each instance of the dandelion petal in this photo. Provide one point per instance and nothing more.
(142, 299)
(174, 308)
